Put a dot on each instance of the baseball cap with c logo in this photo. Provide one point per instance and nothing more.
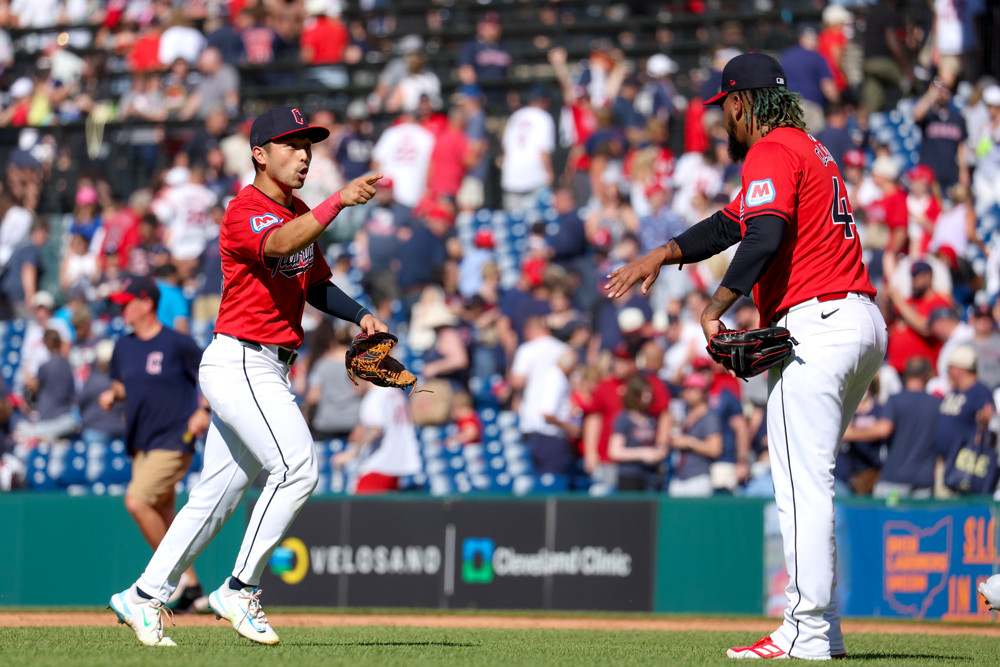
(749, 70)
(284, 122)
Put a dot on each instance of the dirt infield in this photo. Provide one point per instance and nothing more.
(333, 619)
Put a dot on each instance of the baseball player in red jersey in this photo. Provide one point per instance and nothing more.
(800, 255)
(271, 266)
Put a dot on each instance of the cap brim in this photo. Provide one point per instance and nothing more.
(317, 134)
(717, 100)
(121, 298)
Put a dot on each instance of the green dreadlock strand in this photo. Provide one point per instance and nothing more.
(773, 107)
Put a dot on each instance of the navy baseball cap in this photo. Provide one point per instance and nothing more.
(749, 70)
(284, 122)
(141, 287)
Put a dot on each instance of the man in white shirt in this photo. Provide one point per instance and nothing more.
(403, 154)
(528, 141)
(546, 416)
(384, 441)
(183, 208)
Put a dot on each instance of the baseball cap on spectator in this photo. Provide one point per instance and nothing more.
(356, 110)
(921, 172)
(22, 87)
(86, 196)
(919, 267)
(964, 357)
(885, 167)
(982, 310)
(991, 95)
(631, 320)
(533, 269)
(695, 381)
(483, 239)
(660, 64)
(702, 363)
(284, 122)
(137, 288)
(470, 90)
(43, 299)
(623, 351)
(177, 176)
(539, 92)
(854, 158)
(323, 8)
(410, 44)
(941, 313)
(836, 14)
(746, 71)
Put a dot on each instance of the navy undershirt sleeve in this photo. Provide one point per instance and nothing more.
(330, 299)
(760, 243)
(707, 238)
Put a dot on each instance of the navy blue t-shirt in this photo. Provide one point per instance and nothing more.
(639, 431)
(92, 415)
(518, 306)
(419, 256)
(690, 463)
(354, 155)
(957, 417)
(161, 388)
(726, 406)
(570, 239)
(10, 281)
(856, 457)
(944, 131)
(837, 141)
(55, 388)
(910, 460)
(804, 70)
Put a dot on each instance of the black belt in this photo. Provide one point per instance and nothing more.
(286, 355)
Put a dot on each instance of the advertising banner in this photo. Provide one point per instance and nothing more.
(523, 554)
(905, 562)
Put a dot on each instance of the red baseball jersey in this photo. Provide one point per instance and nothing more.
(263, 297)
(791, 175)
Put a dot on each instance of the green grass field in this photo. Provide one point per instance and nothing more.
(116, 646)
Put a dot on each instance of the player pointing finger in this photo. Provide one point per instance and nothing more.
(360, 190)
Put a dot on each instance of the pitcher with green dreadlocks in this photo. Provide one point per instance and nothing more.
(800, 257)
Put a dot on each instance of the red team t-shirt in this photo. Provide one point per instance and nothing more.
(791, 175)
(263, 297)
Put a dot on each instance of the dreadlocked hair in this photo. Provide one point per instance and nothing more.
(772, 107)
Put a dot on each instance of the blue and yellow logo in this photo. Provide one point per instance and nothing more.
(477, 560)
(290, 560)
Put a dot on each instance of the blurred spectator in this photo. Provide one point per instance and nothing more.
(178, 84)
(578, 122)
(809, 76)
(87, 214)
(604, 407)
(636, 443)
(468, 426)
(889, 210)
(528, 142)
(923, 206)
(907, 422)
(834, 134)
(612, 216)
(419, 81)
(943, 131)
(182, 207)
(354, 148)
(394, 71)
(173, 309)
(986, 142)
(78, 268)
(34, 353)
(384, 442)
(23, 273)
(662, 222)
(143, 55)
(378, 240)
(451, 158)
(180, 39)
(539, 350)
(473, 260)
(324, 36)
(696, 442)
(956, 226)
(471, 195)
(15, 225)
(732, 468)
(119, 231)
(403, 153)
(143, 102)
(448, 357)
(965, 409)
(910, 334)
(954, 36)
(332, 402)
(887, 70)
(98, 425)
(53, 396)
(986, 342)
(483, 60)
(832, 43)
(222, 35)
(949, 329)
(424, 250)
(545, 414)
(149, 252)
(258, 38)
(218, 88)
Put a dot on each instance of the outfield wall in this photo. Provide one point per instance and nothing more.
(646, 553)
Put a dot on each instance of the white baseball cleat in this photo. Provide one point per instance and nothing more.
(242, 609)
(143, 616)
(990, 590)
(760, 649)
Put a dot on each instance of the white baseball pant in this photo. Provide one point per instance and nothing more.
(255, 424)
(812, 398)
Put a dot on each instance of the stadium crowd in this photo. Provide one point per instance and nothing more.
(501, 211)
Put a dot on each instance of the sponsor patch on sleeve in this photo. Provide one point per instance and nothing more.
(760, 192)
(258, 223)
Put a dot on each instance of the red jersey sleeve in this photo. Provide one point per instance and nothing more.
(249, 229)
(770, 178)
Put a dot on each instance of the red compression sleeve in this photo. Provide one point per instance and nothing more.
(328, 210)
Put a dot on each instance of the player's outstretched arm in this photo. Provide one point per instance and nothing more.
(302, 232)
(645, 268)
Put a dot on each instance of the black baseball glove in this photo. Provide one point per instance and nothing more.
(751, 351)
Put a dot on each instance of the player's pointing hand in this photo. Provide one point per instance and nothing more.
(360, 190)
(646, 268)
